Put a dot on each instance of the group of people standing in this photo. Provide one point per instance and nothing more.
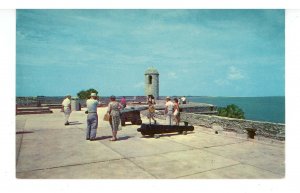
(92, 103)
(171, 111)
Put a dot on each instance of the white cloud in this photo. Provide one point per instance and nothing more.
(172, 75)
(232, 75)
(221, 82)
(235, 74)
(139, 85)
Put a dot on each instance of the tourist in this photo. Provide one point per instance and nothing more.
(183, 99)
(176, 111)
(92, 117)
(169, 107)
(151, 108)
(66, 108)
(123, 102)
(150, 98)
(113, 110)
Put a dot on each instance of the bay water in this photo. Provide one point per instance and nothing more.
(270, 109)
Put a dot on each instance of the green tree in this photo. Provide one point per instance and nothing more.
(232, 111)
(85, 94)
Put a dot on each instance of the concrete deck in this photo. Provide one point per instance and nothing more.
(47, 149)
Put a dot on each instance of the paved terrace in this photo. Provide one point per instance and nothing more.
(46, 149)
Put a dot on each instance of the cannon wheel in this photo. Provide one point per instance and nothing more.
(139, 122)
(122, 122)
(149, 135)
(156, 136)
(182, 132)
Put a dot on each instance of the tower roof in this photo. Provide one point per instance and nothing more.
(151, 70)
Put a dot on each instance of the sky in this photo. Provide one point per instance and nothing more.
(196, 52)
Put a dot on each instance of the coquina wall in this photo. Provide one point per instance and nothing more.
(265, 129)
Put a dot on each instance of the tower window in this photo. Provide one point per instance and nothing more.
(150, 79)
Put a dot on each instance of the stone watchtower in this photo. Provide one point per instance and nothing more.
(152, 82)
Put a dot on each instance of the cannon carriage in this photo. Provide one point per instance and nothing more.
(131, 115)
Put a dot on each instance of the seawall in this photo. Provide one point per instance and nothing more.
(265, 129)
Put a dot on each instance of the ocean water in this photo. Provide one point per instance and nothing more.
(270, 109)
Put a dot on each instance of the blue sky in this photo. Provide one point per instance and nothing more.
(197, 52)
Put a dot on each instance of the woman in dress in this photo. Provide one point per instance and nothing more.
(151, 108)
(113, 110)
(176, 111)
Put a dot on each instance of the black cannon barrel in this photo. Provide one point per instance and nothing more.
(147, 129)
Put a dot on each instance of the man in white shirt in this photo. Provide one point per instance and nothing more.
(169, 110)
(92, 117)
(66, 107)
(183, 99)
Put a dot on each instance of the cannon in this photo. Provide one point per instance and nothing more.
(152, 130)
(131, 115)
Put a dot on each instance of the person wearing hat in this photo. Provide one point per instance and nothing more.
(113, 110)
(92, 117)
(169, 108)
(66, 108)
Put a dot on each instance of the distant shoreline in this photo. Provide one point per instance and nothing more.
(170, 95)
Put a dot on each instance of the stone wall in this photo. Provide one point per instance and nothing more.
(265, 129)
(200, 108)
(33, 101)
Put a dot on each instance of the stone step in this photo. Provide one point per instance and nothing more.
(52, 106)
(32, 108)
(32, 112)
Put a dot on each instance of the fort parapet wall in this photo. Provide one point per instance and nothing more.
(36, 101)
(264, 129)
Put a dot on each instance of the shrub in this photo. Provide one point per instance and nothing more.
(232, 111)
(85, 94)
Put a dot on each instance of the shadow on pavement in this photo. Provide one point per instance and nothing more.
(109, 137)
(102, 137)
(166, 135)
(123, 138)
(75, 123)
(23, 132)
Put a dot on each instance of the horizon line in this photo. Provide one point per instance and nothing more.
(159, 96)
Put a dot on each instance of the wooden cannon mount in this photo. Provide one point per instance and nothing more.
(131, 115)
(153, 130)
